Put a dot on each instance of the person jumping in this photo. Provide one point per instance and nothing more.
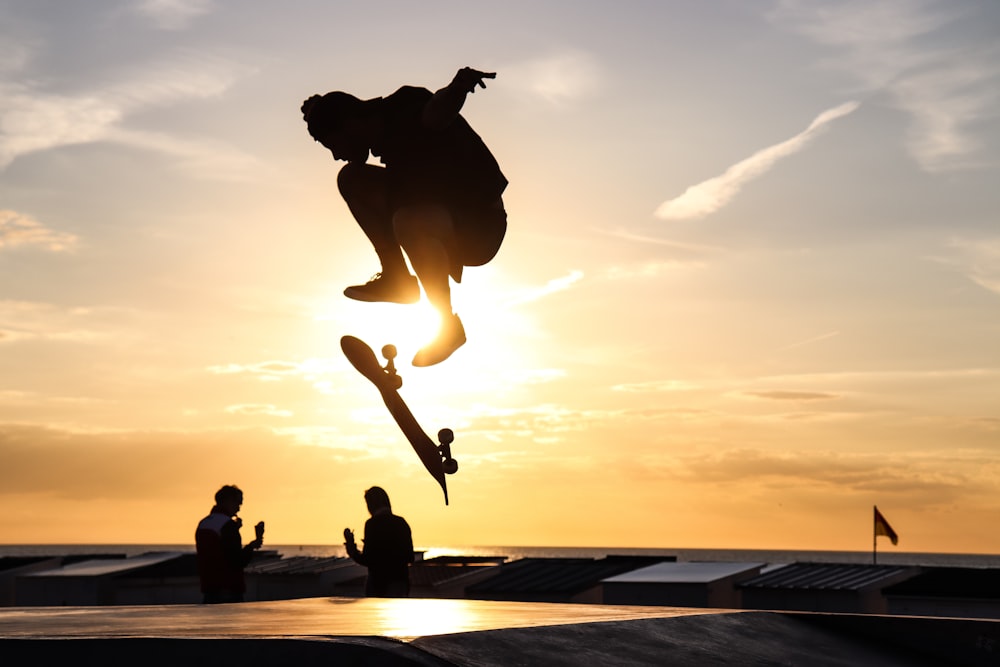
(436, 197)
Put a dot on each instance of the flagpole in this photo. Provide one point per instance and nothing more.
(874, 538)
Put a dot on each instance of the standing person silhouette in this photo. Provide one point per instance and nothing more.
(387, 551)
(221, 554)
(437, 198)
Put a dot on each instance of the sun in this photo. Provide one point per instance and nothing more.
(497, 335)
(407, 327)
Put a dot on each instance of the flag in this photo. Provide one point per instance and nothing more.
(882, 527)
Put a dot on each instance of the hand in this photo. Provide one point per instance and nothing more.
(259, 529)
(348, 536)
(467, 79)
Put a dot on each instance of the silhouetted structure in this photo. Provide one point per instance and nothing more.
(556, 579)
(221, 554)
(681, 585)
(387, 550)
(438, 196)
(827, 587)
(967, 592)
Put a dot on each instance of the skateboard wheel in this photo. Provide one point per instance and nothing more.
(450, 466)
(446, 436)
(389, 352)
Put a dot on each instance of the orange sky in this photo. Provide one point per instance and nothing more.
(751, 284)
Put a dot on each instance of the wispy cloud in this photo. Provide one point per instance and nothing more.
(810, 341)
(17, 229)
(944, 476)
(29, 320)
(275, 369)
(258, 409)
(979, 260)
(791, 395)
(886, 45)
(558, 79)
(33, 118)
(530, 294)
(709, 196)
(174, 14)
(656, 386)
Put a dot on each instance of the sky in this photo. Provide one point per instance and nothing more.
(750, 286)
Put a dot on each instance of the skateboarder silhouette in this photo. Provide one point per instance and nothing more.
(437, 197)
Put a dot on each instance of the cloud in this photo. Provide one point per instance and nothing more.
(17, 229)
(275, 369)
(979, 260)
(34, 119)
(136, 464)
(709, 196)
(28, 320)
(656, 386)
(810, 341)
(174, 14)
(256, 409)
(529, 295)
(944, 476)
(945, 102)
(558, 79)
(791, 395)
(887, 45)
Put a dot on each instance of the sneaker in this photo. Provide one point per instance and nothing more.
(382, 288)
(451, 338)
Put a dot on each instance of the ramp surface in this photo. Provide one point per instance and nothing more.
(479, 633)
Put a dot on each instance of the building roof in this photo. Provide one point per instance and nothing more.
(825, 576)
(296, 565)
(950, 582)
(99, 567)
(567, 576)
(434, 571)
(14, 562)
(683, 573)
(464, 560)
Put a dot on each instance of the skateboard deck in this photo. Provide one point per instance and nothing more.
(435, 457)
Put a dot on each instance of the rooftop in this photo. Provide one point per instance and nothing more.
(683, 573)
(825, 576)
(100, 567)
(556, 575)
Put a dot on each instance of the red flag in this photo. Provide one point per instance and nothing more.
(882, 527)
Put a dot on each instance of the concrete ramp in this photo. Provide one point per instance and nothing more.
(748, 638)
(478, 633)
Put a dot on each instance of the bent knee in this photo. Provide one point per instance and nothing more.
(357, 177)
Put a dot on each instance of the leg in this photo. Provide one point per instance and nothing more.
(426, 232)
(364, 189)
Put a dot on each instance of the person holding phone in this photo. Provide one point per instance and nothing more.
(221, 554)
(387, 550)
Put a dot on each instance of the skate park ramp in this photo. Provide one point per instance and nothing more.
(439, 633)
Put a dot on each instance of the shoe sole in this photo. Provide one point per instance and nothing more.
(420, 363)
(368, 298)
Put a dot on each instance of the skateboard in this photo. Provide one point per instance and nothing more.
(435, 457)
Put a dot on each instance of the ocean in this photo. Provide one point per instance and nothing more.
(886, 557)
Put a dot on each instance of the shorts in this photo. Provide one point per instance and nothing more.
(479, 232)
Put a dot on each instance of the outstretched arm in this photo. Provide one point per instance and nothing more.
(352, 548)
(448, 102)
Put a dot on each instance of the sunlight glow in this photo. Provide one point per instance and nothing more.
(410, 618)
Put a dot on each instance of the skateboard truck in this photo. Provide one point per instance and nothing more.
(445, 436)
(389, 352)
